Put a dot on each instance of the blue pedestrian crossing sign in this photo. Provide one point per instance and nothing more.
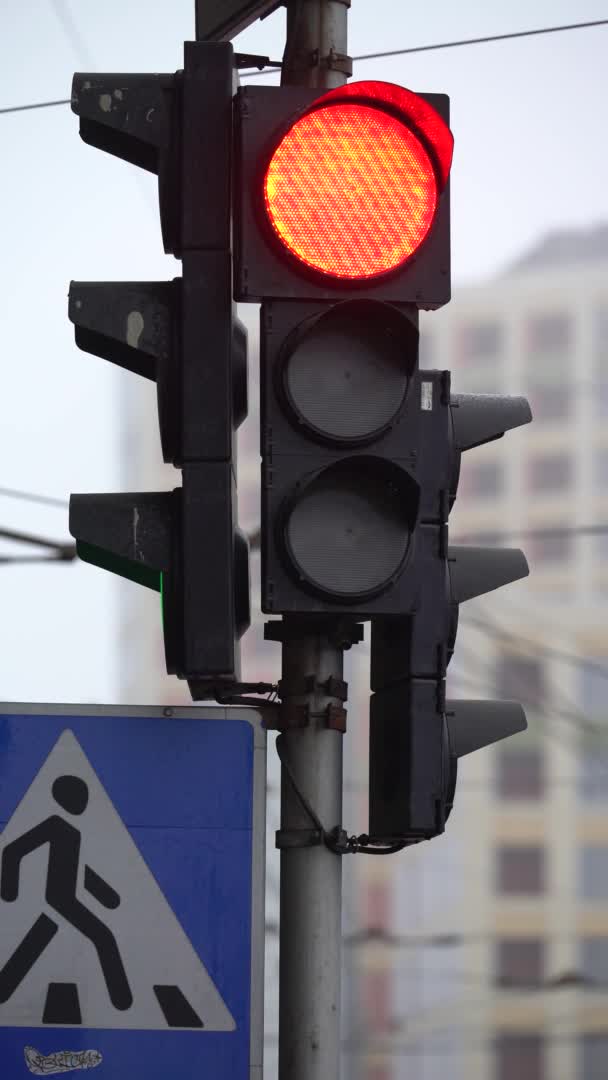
(131, 892)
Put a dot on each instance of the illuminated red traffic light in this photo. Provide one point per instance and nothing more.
(352, 188)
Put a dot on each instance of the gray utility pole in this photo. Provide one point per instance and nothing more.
(312, 695)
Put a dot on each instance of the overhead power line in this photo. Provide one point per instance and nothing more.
(547, 533)
(380, 55)
(30, 496)
(60, 551)
(483, 40)
(545, 716)
(512, 534)
(35, 105)
(457, 44)
(527, 643)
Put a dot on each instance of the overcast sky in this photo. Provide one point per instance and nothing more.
(530, 155)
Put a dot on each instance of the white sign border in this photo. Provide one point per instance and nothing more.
(254, 717)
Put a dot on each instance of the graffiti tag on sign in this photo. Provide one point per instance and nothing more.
(62, 1061)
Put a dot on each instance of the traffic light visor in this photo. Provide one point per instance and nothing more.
(351, 190)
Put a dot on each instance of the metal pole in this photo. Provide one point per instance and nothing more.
(311, 877)
(312, 668)
(315, 54)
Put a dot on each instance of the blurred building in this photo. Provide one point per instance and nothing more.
(483, 955)
(486, 955)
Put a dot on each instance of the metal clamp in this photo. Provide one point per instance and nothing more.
(333, 62)
(298, 838)
(332, 687)
(289, 716)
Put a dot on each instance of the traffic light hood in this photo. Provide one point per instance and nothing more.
(475, 724)
(413, 110)
(481, 418)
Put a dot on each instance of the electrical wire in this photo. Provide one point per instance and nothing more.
(254, 541)
(464, 41)
(35, 105)
(71, 31)
(30, 496)
(569, 712)
(337, 839)
(463, 1045)
(380, 55)
(468, 538)
(541, 533)
(546, 715)
(371, 935)
(483, 622)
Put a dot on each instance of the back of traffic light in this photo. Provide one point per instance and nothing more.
(416, 735)
(184, 335)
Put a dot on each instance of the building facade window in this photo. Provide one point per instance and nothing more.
(484, 480)
(377, 997)
(593, 753)
(550, 402)
(600, 470)
(520, 773)
(520, 962)
(481, 340)
(520, 677)
(548, 345)
(593, 771)
(594, 960)
(549, 332)
(600, 550)
(377, 905)
(600, 388)
(520, 1056)
(551, 472)
(427, 350)
(478, 360)
(593, 873)
(600, 327)
(552, 548)
(520, 870)
(593, 1055)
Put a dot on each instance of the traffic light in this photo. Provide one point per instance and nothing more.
(184, 335)
(342, 231)
(343, 194)
(416, 736)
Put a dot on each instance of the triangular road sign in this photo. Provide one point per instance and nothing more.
(86, 935)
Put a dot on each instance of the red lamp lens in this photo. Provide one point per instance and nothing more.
(351, 191)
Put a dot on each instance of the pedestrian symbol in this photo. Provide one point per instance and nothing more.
(86, 935)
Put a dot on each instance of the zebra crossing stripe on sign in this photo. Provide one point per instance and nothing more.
(86, 935)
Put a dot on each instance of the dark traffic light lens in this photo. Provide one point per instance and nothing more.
(346, 374)
(348, 532)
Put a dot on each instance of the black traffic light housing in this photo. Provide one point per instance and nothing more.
(350, 506)
(263, 266)
(356, 458)
(185, 336)
(416, 736)
(178, 126)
